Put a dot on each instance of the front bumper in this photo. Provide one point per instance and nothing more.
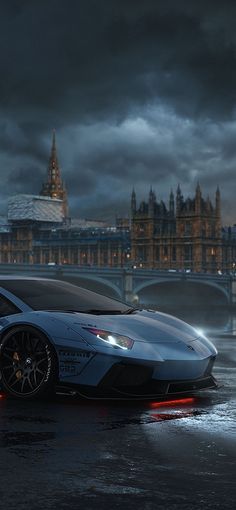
(137, 382)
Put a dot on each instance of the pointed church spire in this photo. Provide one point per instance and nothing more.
(198, 189)
(179, 190)
(218, 213)
(54, 174)
(218, 206)
(198, 199)
(172, 203)
(152, 196)
(133, 202)
(179, 199)
(54, 139)
(151, 202)
(54, 187)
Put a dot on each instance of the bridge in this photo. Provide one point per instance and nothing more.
(137, 285)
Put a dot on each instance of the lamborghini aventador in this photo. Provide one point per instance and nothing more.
(54, 334)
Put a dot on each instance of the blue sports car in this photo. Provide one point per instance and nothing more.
(55, 334)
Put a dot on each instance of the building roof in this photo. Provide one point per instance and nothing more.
(87, 223)
(35, 208)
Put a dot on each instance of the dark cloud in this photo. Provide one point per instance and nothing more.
(140, 93)
(90, 58)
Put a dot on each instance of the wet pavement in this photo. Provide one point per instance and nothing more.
(73, 454)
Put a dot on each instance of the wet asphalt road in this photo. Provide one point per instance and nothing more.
(70, 454)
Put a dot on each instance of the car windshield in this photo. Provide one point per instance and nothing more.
(63, 296)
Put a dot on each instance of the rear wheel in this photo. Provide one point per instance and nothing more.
(28, 363)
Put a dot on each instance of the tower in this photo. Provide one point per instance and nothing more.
(218, 212)
(151, 202)
(133, 202)
(172, 204)
(198, 199)
(179, 200)
(54, 186)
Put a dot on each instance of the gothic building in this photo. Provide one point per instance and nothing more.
(185, 235)
(54, 186)
(229, 250)
(35, 231)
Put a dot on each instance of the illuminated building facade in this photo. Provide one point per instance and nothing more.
(38, 230)
(185, 235)
(229, 250)
(45, 243)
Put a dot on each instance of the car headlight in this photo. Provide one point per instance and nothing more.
(119, 341)
(206, 342)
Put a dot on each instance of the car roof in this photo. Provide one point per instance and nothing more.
(23, 277)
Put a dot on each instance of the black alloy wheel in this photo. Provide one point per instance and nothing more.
(28, 363)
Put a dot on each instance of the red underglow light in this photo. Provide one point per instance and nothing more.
(2, 396)
(169, 403)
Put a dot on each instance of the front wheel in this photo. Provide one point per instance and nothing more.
(28, 363)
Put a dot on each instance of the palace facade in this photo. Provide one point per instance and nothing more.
(183, 235)
(38, 231)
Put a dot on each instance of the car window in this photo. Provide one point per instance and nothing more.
(58, 295)
(6, 307)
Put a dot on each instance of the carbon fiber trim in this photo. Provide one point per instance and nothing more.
(136, 380)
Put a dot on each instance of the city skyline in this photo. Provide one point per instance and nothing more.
(54, 187)
(138, 96)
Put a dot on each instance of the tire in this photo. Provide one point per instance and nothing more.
(28, 363)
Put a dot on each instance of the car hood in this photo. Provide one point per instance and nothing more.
(142, 325)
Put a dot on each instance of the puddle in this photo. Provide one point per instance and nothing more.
(31, 419)
(8, 439)
(153, 418)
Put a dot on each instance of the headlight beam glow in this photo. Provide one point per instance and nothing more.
(117, 341)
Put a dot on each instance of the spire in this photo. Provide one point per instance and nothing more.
(198, 190)
(172, 203)
(133, 202)
(152, 196)
(218, 213)
(54, 186)
(54, 174)
(218, 205)
(151, 202)
(54, 139)
(198, 199)
(179, 199)
(179, 190)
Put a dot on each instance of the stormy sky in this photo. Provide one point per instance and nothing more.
(140, 93)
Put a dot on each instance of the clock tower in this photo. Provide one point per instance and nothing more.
(54, 187)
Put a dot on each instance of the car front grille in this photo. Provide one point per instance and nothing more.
(136, 381)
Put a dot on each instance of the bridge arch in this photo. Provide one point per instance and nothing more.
(182, 291)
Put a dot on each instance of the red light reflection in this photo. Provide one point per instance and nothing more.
(170, 403)
(171, 416)
(2, 395)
